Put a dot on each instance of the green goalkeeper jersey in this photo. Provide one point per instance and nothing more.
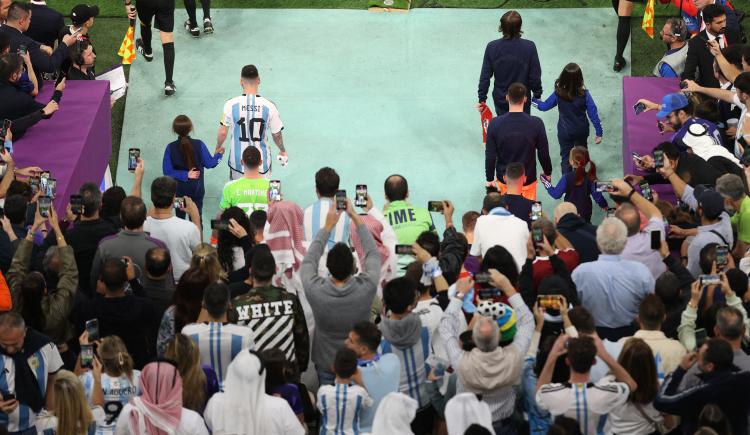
(249, 194)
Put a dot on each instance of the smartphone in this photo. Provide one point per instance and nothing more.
(537, 236)
(9, 396)
(92, 327)
(536, 210)
(341, 200)
(659, 159)
(683, 84)
(51, 187)
(482, 277)
(639, 108)
(274, 190)
(548, 301)
(133, 155)
(360, 198)
(489, 293)
(179, 203)
(709, 280)
(700, 337)
(435, 206)
(722, 258)
(646, 191)
(4, 132)
(745, 159)
(34, 184)
(76, 204)
(43, 178)
(611, 212)
(22, 50)
(656, 240)
(660, 125)
(637, 157)
(218, 224)
(604, 186)
(404, 250)
(45, 203)
(87, 356)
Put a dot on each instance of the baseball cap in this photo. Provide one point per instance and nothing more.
(710, 201)
(672, 102)
(81, 13)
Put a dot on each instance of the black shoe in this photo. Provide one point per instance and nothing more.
(141, 49)
(620, 63)
(169, 88)
(192, 30)
(208, 26)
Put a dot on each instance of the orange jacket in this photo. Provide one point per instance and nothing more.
(6, 304)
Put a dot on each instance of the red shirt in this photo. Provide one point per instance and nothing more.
(543, 267)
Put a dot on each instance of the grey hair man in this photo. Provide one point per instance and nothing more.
(675, 35)
(737, 204)
(612, 288)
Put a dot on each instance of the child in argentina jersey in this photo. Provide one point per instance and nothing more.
(341, 404)
(120, 382)
(249, 117)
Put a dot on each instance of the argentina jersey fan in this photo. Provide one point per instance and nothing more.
(249, 117)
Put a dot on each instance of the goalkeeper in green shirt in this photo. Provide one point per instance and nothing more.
(250, 192)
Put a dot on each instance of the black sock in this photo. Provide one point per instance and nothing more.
(623, 34)
(206, 8)
(146, 37)
(190, 8)
(168, 59)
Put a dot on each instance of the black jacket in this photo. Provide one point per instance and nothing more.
(19, 107)
(581, 234)
(692, 169)
(46, 24)
(699, 65)
(727, 390)
(41, 62)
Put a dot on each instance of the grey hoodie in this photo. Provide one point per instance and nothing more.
(402, 333)
(337, 309)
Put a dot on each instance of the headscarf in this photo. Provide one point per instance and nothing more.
(465, 409)
(244, 397)
(376, 230)
(394, 415)
(285, 234)
(705, 146)
(159, 409)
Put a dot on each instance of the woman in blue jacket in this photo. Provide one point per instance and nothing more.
(573, 101)
(185, 159)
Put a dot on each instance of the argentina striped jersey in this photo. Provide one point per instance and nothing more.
(414, 367)
(219, 343)
(341, 407)
(248, 118)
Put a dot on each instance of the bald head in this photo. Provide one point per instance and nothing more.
(396, 188)
(564, 208)
(630, 216)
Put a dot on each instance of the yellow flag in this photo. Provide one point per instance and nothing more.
(127, 48)
(648, 19)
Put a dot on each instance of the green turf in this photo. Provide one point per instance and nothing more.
(111, 25)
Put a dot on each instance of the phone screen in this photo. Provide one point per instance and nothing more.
(34, 184)
(404, 250)
(536, 210)
(133, 155)
(51, 187)
(638, 108)
(179, 203)
(656, 240)
(274, 190)
(45, 202)
(87, 356)
(548, 301)
(646, 191)
(722, 257)
(659, 158)
(537, 236)
(43, 178)
(604, 186)
(341, 200)
(218, 224)
(76, 204)
(435, 206)
(360, 200)
(92, 327)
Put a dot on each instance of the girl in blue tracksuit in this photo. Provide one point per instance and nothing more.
(579, 185)
(574, 102)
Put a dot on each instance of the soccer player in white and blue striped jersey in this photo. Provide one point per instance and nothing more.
(326, 185)
(250, 116)
(341, 404)
(218, 341)
(406, 337)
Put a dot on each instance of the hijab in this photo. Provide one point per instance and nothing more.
(159, 409)
(394, 415)
(465, 409)
(244, 398)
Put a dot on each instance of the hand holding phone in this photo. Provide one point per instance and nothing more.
(87, 356)
(274, 190)
(360, 199)
(639, 108)
(133, 155)
(435, 206)
(404, 250)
